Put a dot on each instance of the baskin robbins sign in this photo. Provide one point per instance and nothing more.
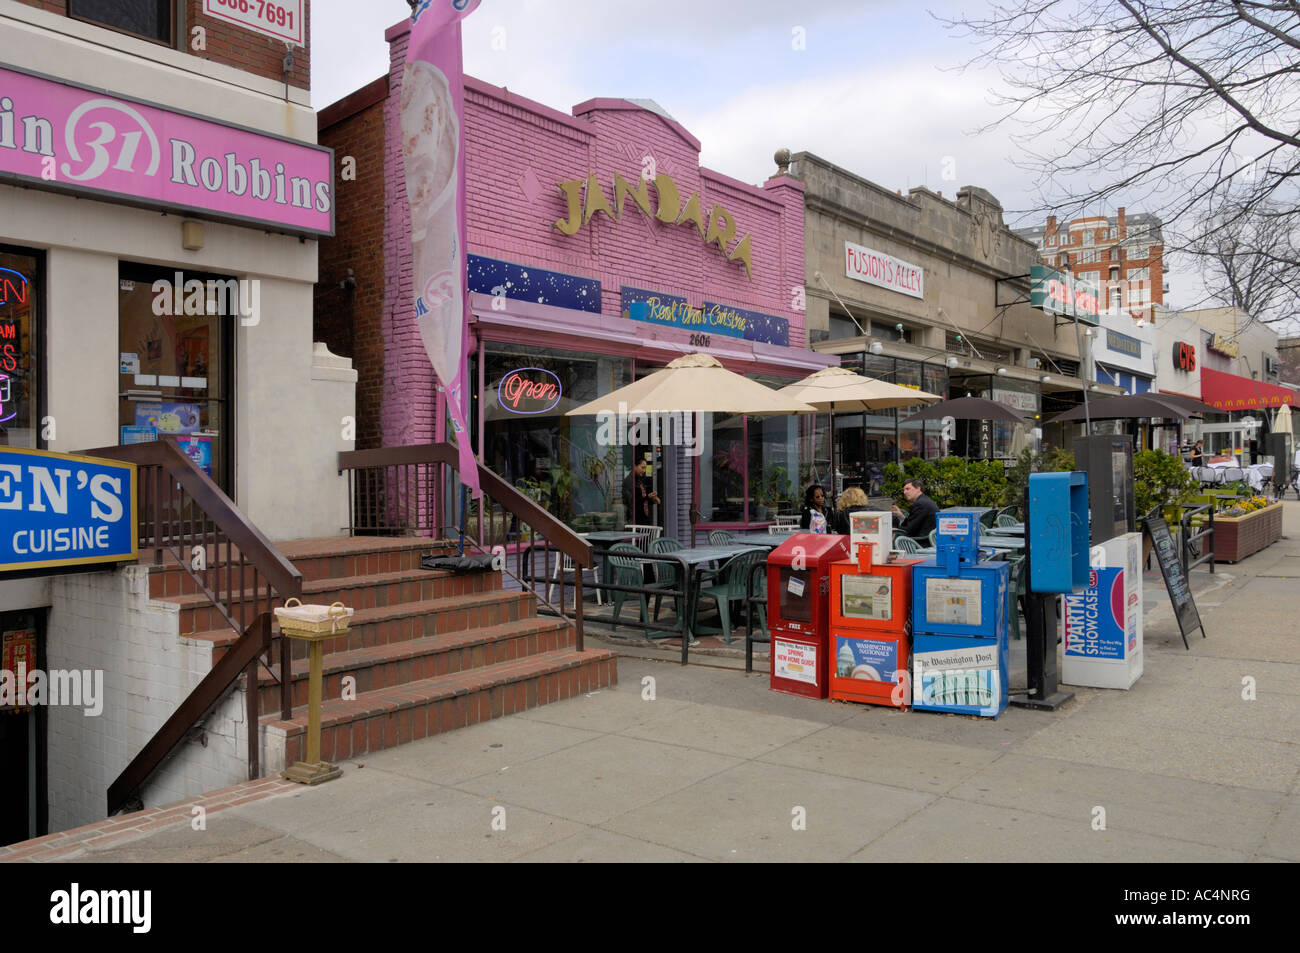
(58, 136)
(59, 511)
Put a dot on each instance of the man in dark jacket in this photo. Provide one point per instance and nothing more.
(638, 494)
(921, 514)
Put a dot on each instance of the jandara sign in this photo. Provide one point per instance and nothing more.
(585, 197)
(59, 510)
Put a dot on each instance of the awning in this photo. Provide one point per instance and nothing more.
(1231, 392)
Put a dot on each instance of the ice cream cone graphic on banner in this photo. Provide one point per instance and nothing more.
(433, 154)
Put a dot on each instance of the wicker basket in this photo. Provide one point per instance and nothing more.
(298, 619)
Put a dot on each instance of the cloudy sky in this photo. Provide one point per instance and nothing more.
(874, 86)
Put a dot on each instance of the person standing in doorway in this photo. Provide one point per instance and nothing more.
(639, 494)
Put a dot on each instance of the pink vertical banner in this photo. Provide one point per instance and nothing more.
(433, 153)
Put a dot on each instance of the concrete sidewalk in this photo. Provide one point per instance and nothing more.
(717, 767)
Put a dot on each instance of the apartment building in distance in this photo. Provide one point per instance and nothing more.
(1123, 253)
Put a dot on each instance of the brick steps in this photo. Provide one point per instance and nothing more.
(315, 559)
(394, 664)
(401, 622)
(391, 716)
(358, 592)
(430, 651)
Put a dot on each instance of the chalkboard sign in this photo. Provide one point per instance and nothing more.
(1171, 567)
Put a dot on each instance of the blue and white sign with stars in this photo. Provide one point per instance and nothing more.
(505, 279)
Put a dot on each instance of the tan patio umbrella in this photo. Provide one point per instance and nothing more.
(694, 383)
(839, 390)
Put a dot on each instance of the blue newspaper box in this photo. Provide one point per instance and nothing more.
(959, 636)
(971, 602)
(1056, 532)
(957, 536)
(960, 675)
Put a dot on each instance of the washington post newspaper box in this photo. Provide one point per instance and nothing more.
(959, 638)
(870, 644)
(798, 597)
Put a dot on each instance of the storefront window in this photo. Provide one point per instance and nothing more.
(574, 466)
(20, 340)
(773, 457)
(175, 337)
(722, 469)
(1022, 398)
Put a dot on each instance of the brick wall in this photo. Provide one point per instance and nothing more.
(106, 621)
(230, 44)
(351, 322)
(516, 153)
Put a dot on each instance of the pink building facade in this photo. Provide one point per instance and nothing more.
(600, 250)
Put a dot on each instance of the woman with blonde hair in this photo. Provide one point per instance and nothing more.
(851, 499)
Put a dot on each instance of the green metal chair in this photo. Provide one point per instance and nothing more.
(721, 537)
(907, 545)
(1007, 511)
(667, 575)
(988, 519)
(934, 534)
(728, 586)
(1005, 519)
(627, 571)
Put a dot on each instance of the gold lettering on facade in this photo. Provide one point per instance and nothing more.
(640, 195)
(572, 192)
(584, 198)
(692, 213)
(596, 201)
(670, 201)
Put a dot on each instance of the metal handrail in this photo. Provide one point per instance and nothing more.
(242, 659)
(181, 510)
(396, 470)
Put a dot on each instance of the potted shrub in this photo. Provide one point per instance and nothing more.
(773, 488)
(1161, 484)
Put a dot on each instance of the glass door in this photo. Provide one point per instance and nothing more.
(175, 362)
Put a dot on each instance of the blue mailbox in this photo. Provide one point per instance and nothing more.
(1056, 532)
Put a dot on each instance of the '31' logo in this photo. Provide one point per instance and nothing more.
(125, 145)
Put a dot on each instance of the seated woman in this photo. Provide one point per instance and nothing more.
(815, 517)
(851, 499)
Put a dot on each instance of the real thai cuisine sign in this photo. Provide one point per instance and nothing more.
(58, 136)
(59, 510)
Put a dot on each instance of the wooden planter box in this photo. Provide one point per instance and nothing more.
(1236, 537)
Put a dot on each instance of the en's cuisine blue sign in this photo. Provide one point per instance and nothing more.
(59, 510)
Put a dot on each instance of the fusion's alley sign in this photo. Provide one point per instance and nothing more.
(58, 136)
(59, 510)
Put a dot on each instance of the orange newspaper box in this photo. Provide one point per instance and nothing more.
(869, 655)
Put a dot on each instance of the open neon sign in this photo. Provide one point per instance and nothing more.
(523, 393)
(13, 287)
(6, 382)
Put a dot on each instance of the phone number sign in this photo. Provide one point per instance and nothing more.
(282, 20)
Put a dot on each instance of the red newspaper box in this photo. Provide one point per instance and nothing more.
(798, 597)
(869, 653)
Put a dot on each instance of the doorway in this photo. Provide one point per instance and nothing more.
(23, 812)
(176, 333)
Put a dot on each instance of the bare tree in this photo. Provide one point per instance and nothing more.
(1184, 108)
(1251, 261)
